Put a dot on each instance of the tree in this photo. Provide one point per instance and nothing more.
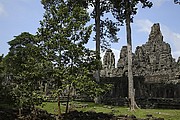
(5, 87)
(2, 81)
(62, 36)
(105, 29)
(21, 67)
(124, 10)
(98, 42)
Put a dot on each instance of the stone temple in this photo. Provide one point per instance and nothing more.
(156, 73)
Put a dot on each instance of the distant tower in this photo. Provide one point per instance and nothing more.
(109, 59)
(155, 34)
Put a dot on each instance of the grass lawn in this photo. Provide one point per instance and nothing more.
(168, 114)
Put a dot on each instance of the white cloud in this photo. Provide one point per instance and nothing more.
(2, 10)
(117, 55)
(90, 9)
(173, 38)
(144, 25)
(170, 37)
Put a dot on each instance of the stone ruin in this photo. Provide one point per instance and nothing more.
(156, 73)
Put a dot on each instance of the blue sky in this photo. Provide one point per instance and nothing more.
(17, 16)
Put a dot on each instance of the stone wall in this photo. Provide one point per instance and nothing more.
(147, 94)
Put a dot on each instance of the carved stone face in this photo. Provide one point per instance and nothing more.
(155, 29)
(155, 34)
(109, 59)
(123, 52)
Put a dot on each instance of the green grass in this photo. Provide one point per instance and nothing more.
(140, 113)
(51, 107)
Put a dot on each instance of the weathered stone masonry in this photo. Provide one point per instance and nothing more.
(156, 73)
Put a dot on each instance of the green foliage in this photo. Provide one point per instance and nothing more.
(22, 69)
(5, 89)
(120, 8)
(89, 87)
(1, 70)
(56, 55)
(1, 64)
(108, 27)
(62, 37)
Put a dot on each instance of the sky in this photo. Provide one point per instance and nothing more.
(17, 16)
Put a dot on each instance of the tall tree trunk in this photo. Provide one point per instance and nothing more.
(45, 88)
(129, 48)
(97, 25)
(59, 106)
(20, 112)
(59, 98)
(68, 97)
